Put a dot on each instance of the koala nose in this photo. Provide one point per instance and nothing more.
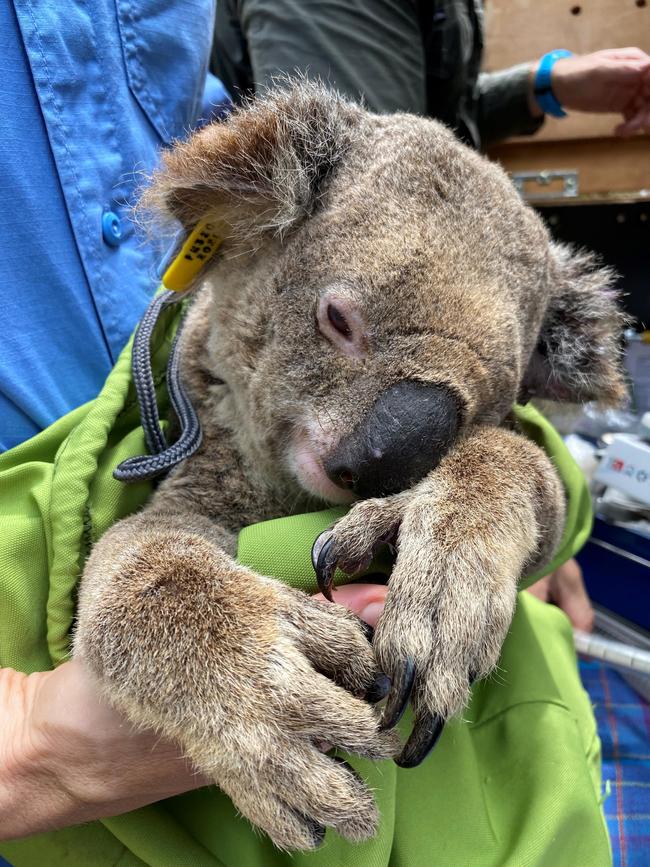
(408, 430)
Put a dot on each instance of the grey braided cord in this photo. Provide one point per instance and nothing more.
(163, 456)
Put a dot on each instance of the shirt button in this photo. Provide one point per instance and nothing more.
(112, 229)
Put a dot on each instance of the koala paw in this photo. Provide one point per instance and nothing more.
(450, 602)
(254, 680)
(306, 695)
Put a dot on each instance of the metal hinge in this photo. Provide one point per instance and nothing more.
(525, 184)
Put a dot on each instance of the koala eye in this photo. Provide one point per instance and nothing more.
(341, 322)
(338, 321)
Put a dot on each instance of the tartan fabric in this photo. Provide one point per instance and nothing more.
(623, 718)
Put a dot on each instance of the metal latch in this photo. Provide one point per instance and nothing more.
(564, 182)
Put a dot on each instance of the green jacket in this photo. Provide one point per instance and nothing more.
(516, 783)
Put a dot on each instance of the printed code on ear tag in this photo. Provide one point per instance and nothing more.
(204, 245)
(196, 252)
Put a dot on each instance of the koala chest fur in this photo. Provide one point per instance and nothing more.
(382, 300)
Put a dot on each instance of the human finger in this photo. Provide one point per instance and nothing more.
(364, 600)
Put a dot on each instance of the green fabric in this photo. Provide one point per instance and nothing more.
(515, 783)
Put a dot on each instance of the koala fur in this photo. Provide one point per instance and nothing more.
(360, 253)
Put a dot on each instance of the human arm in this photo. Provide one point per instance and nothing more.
(67, 757)
(506, 104)
(612, 80)
(615, 80)
(566, 589)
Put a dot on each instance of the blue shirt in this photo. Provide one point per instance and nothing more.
(88, 94)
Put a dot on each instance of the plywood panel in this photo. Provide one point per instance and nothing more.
(578, 126)
(521, 30)
(607, 168)
(518, 30)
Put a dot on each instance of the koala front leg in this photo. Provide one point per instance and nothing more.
(490, 513)
(247, 675)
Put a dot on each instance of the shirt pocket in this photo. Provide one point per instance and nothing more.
(166, 48)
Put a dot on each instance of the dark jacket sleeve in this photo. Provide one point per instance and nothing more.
(503, 104)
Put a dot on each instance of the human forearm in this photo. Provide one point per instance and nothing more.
(615, 80)
(31, 797)
(506, 103)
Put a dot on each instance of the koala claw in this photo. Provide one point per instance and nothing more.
(428, 727)
(318, 833)
(424, 737)
(327, 554)
(324, 563)
(399, 695)
(379, 689)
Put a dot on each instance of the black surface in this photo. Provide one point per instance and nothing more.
(620, 234)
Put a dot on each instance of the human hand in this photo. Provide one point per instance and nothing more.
(67, 757)
(613, 80)
(566, 589)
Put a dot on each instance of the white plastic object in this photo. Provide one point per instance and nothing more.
(612, 652)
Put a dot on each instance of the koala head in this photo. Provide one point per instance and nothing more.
(382, 289)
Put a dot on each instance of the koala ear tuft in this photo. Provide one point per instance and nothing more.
(577, 358)
(262, 169)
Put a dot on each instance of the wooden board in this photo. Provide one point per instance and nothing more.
(517, 30)
(608, 169)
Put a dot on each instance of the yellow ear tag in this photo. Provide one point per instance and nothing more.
(196, 252)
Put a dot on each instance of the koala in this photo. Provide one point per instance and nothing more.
(382, 298)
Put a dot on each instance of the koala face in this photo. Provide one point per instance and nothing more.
(382, 290)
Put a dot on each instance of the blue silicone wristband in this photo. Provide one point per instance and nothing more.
(544, 95)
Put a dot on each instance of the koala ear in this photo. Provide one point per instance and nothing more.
(577, 357)
(262, 169)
